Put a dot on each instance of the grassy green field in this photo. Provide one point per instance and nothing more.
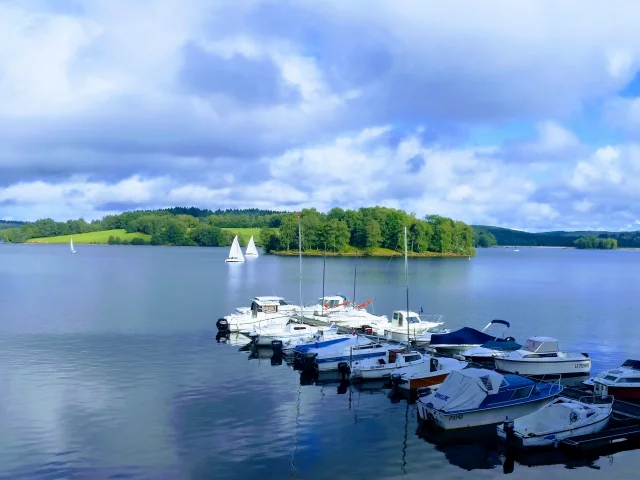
(100, 237)
(244, 234)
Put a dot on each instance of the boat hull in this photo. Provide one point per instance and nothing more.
(550, 438)
(423, 382)
(265, 340)
(233, 260)
(329, 364)
(626, 393)
(452, 349)
(491, 416)
(242, 324)
(566, 368)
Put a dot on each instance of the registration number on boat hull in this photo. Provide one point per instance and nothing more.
(456, 417)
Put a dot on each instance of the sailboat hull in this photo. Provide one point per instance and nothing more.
(232, 260)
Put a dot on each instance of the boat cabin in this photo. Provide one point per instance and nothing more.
(259, 305)
(628, 373)
(401, 317)
(281, 301)
(540, 347)
(332, 301)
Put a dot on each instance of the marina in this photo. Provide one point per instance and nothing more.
(192, 400)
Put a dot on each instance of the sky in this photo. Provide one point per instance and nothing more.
(521, 114)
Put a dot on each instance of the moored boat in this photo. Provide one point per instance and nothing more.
(465, 338)
(264, 336)
(263, 311)
(383, 367)
(562, 418)
(474, 397)
(622, 382)
(487, 352)
(432, 371)
(407, 325)
(540, 356)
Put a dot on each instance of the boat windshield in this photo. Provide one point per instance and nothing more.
(413, 319)
(540, 347)
(282, 302)
(635, 364)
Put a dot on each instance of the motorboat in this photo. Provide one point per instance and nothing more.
(487, 352)
(430, 373)
(331, 358)
(561, 419)
(262, 336)
(622, 382)
(324, 334)
(235, 252)
(264, 311)
(475, 396)
(382, 367)
(465, 338)
(305, 354)
(356, 317)
(325, 306)
(283, 304)
(540, 356)
(404, 324)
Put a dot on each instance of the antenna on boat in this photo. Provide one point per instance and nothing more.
(300, 255)
(406, 280)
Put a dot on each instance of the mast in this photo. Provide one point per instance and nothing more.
(355, 274)
(324, 266)
(406, 279)
(300, 255)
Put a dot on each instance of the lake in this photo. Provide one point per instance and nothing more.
(109, 367)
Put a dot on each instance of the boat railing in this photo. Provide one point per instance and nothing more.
(597, 399)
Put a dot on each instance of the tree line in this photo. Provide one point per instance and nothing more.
(596, 243)
(372, 228)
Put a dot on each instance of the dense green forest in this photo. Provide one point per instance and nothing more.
(4, 224)
(596, 243)
(368, 230)
(339, 231)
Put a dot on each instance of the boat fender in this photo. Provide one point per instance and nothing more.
(222, 324)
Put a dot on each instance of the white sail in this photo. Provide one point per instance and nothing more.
(73, 250)
(251, 249)
(235, 253)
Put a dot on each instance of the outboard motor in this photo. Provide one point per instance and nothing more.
(395, 379)
(223, 325)
(433, 364)
(344, 369)
(307, 361)
(276, 345)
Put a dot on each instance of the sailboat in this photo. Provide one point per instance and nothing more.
(73, 250)
(235, 253)
(251, 251)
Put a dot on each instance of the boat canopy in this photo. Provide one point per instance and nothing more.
(463, 336)
(634, 364)
(506, 346)
(466, 389)
(541, 345)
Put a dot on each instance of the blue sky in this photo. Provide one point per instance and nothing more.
(519, 114)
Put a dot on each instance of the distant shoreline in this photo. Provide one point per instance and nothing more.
(390, 253)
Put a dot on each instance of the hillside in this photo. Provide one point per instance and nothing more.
(99, 238)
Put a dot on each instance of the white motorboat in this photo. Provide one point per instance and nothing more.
(430, 373)
(357, 317)
(405, 325)
(323, 335)
(540, 356)
(561, 419)
(251, 251)
(622, 382)
(331, 358)
(73, 250)
(458, 341)
(235, 252)
(263, 311)
(283, 304)
(474, 397)
(262, 336)
(383, 367)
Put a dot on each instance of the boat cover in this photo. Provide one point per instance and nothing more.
(464, 336)
(465, 389)
(502, 345)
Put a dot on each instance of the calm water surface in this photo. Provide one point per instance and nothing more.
(109, 367)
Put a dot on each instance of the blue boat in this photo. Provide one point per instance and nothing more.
(466, 338)
(475, 396)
